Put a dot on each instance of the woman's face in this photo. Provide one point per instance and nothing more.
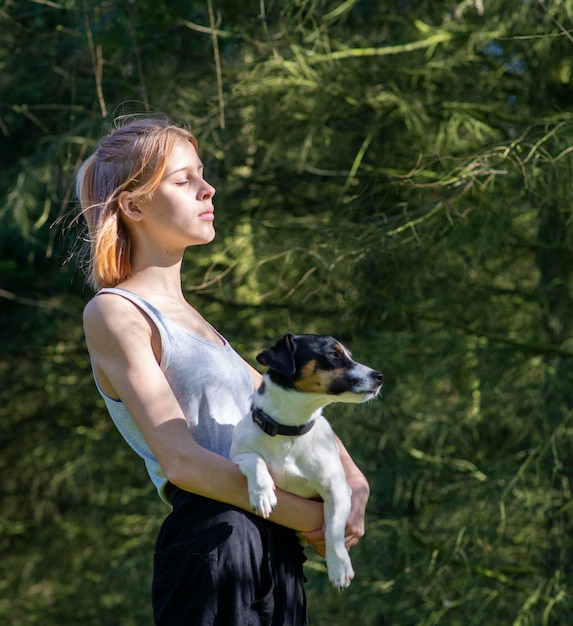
(180, 212)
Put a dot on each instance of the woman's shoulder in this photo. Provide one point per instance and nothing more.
(109, 314)
(104, 304)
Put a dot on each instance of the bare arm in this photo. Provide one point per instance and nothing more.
(360, 494)
(119, 339)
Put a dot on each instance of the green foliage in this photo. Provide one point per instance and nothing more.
(396, 175)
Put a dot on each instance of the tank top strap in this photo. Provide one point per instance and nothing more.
(154, 313)
(160, 321)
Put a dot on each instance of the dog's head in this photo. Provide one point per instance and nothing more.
(322, 365)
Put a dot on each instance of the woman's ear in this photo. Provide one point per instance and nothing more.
(128, 207)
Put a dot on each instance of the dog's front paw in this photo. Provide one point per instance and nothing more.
(340, 572)
(263, 499)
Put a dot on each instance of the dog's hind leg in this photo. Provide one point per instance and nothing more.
(262, 495)
(336, 511)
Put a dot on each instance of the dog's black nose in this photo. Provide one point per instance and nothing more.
(378, 377)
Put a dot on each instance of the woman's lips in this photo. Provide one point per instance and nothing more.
(208, 215)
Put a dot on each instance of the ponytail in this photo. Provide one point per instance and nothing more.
(110, 252)
(107, 242)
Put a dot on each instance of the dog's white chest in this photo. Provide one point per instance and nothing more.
(288, 474)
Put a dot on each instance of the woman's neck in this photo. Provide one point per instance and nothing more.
(157, 281)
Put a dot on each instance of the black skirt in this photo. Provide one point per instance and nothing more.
(215, 564)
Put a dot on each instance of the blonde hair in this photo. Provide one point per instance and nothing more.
(131, 158)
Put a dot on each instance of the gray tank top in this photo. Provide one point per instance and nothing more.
(211, 382)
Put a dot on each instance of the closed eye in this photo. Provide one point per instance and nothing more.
(188, 180)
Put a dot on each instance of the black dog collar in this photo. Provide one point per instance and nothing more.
(272, 428)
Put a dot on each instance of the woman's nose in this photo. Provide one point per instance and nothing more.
(207, 191)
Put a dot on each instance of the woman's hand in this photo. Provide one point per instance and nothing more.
(354, 526)
(315, 539)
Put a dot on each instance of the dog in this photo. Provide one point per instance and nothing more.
(286, 442)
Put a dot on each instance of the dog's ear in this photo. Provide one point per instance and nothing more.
(281, 356)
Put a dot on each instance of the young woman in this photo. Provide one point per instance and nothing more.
(175, 388)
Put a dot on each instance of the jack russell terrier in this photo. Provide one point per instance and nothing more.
(286, 442)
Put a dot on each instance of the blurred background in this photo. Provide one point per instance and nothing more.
(397, 174)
